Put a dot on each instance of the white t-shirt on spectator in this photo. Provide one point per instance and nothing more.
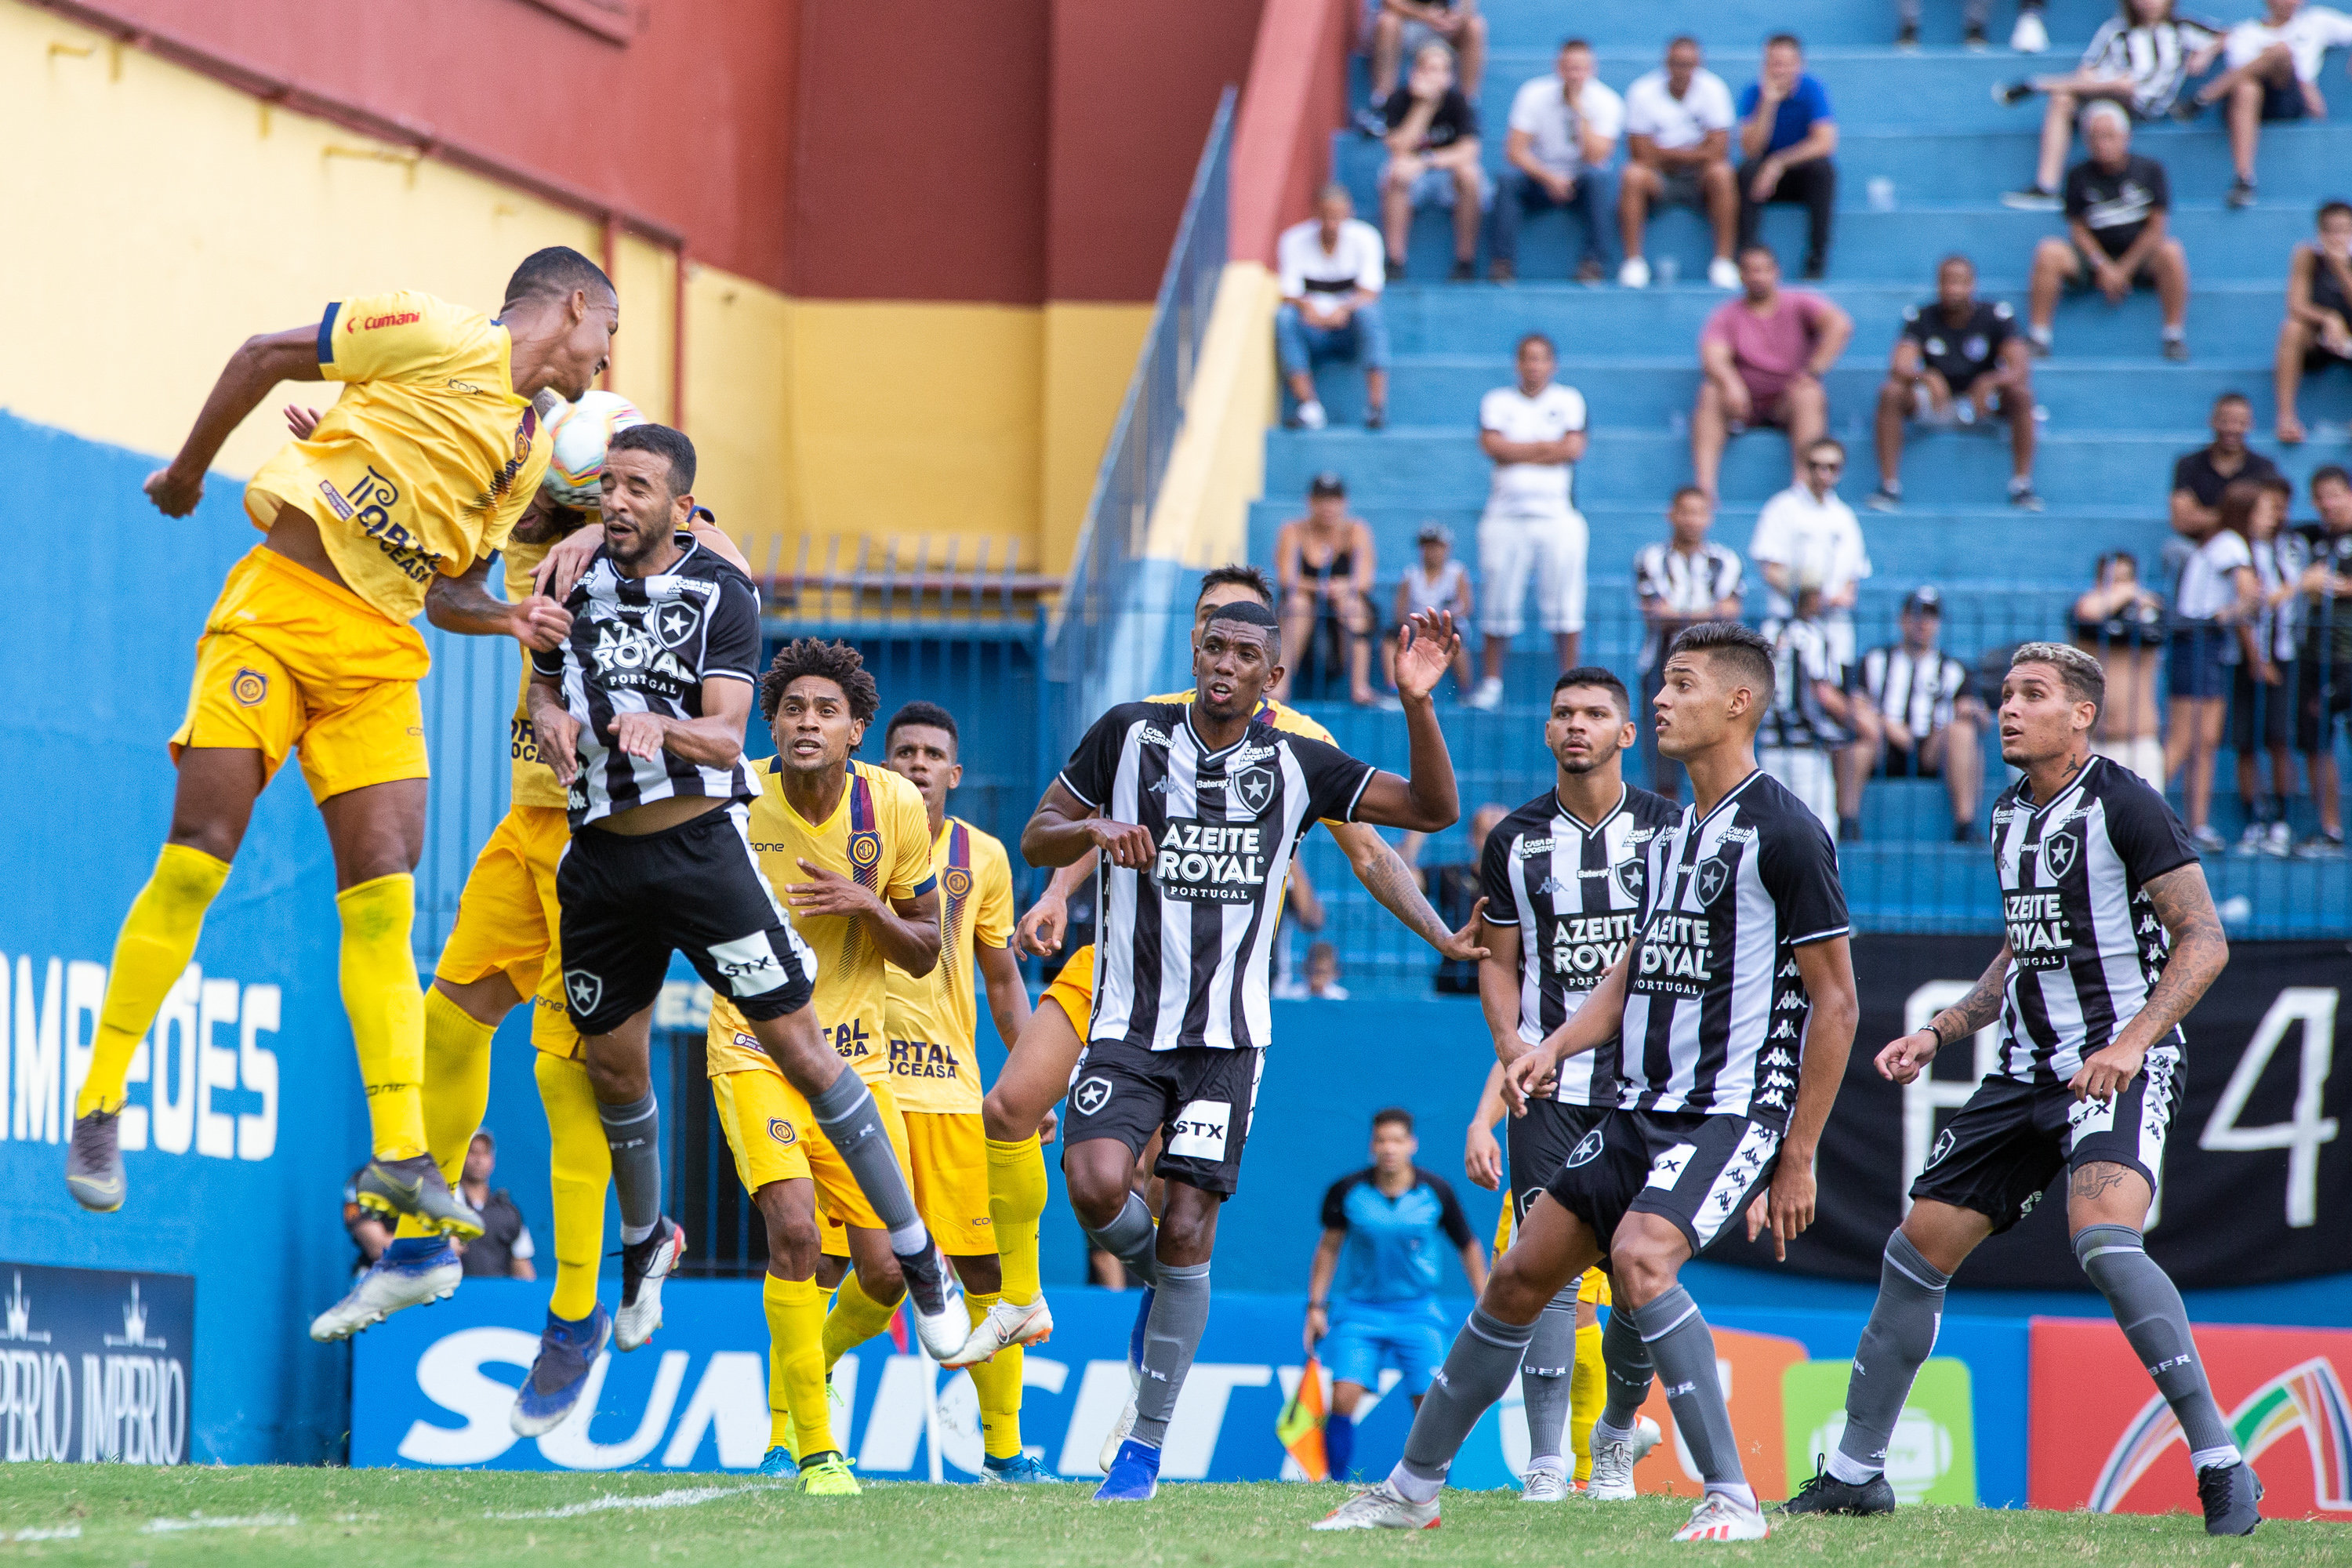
(1541, 110)
(1653, 110)
(1356, 262)
(2308, 35)
(1815, 539)
(1522, 489)
(2205, 589)
(1442, 592)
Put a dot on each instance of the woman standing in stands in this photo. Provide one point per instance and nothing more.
(2121, 623)
(2218, 594)
(1324, 563)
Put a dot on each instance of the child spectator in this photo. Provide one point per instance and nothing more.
(2118, 204)
(2139, 59)
(2317, 333)
(1787, 140)
(2263, 689)
(2120, 622)
(1433, 141)
(1323, 973)
(2216, 594)
(1436, 580)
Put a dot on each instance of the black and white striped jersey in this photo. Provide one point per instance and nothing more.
(1575, 893)
(1918, 690)
(2085, 945)
(1803, 658)
(646, 645)
(1183, 949)
(1715, 1007)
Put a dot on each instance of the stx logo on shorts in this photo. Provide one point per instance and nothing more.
(249, 687)
(584, 989)
(1091, 1095)
(1668, 1167)
(1199, 1130)
(1586, 1151)
(783, 1131)
(750, 964)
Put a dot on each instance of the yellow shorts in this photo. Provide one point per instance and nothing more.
(776, 1138)
(951, 1158)
(1592, 1290)
(289, 661)
(510, 923)
(1072, 989)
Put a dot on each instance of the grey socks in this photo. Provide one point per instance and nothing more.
(1485, 1355)
(1683, 1350)
(1626, 1361)
(2149, 1310)
(1544, 1379)
(853, 1124)
(1132, 1238)
(1180, 1315)
(633, 1131)
(1900, 1335)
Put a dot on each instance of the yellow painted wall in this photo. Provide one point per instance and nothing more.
(1089, 357)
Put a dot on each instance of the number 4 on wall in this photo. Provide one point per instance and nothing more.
(2315, 1007)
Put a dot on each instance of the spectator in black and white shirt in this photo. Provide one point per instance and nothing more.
(1563, 131)
(1930, 718)
(1432, 142)
(2216, 594)
(1331, 281)
(2118, 204)
(2262, 688)
(1813, 718)
(1958, 360)
(1679, 582)
(2327, 686)
(2140, 59)
(2273, 74)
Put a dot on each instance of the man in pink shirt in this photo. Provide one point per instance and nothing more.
(1762, 357)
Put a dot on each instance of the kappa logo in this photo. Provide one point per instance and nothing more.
(582, 990)
(1091, 1095)
(1253, 787)
(2058, 854)
(1711, 875)
(675, 622)
(1586, 1151)
(783, 1131)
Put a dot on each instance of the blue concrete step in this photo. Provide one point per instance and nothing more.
(1734, 29)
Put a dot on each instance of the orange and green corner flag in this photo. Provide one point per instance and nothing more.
(1300, 1427)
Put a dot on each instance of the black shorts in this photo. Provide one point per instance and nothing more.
(2284, 102)
(2261, 715)
(1999, 1154)
(2327, 697)
(1539, 1143)
(1898, 763)
(1698, 1169)
(1200, 1098)
(696, 888)
(2318, 357)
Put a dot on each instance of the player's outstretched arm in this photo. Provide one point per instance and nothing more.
(259, 364)
(557, 730)
(1385, 876)
(1064, 828)
(715, 740)
(1427, 801)
(464, 605)
(1902, 1060)
(1827, 970)
(2199, 954)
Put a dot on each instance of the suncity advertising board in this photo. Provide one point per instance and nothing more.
(94, 1364)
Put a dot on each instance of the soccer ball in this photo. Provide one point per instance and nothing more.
(581, 431)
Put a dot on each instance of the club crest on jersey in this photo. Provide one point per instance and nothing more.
(957, 882)
(1253, 788)
(1587, 1151)
(249, 687)
(783, 1131)
(1632, 875)
(1091, 1095)
(864, 850)
(2058, 855)
(1710, 877)
(675, 622)
(584, 991)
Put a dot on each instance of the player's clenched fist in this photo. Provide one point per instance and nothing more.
(541, 624)
(1126, 844)
(1900, 1061)
(173, 497)
(2107, 1073)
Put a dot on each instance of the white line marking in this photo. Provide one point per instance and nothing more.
(246, 1521)
(56, 1532)
(681, 1497)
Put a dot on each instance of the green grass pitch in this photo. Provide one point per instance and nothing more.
(362, 1518)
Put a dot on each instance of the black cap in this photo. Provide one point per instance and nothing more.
(1925, 598)
(1326, 483)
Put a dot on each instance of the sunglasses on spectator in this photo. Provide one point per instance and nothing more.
(1825, 465)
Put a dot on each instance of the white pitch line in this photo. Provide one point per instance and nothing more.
(681, 1497)
(56, 1532)
(202, 1522)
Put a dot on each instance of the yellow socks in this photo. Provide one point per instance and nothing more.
(158, 938)
(456, 1089)
(1016, 1200)
(855, 1318)
(386, 1008)
(1588, 1390)
(796, 1366)
(998, 1381)
(580, 1167)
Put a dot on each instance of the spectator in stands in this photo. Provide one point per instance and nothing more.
(2199, 477)
(504, 1251)
(1436, 580)
(2139, 59)
(1324, 566)
(1451, 889)
(1331, 281)
(2118, 205)
(1930, 720)
(1302, 910)
(2326, 688)
(1958, 360)
(367, 1229)
(1808, 724)
(1678, 582)
(2317, 332)
(2262, 685)
(1788, 142)
(1323, 973)
(1534, 433)
(1763, 356)
(2273, 74)
(1433, 141)
(2030, 36)
(1678, 153)
(1808, 535)
(2217, 594)
(1563, 131)
(1401, 29)
(2120, 621)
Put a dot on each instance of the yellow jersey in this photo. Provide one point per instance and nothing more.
(534, 782)
(879, 836)
(932, 1018)
(426, 461)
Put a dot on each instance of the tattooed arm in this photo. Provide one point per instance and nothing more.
(2199, 954)
(1385, 875)
(1902, 1060)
